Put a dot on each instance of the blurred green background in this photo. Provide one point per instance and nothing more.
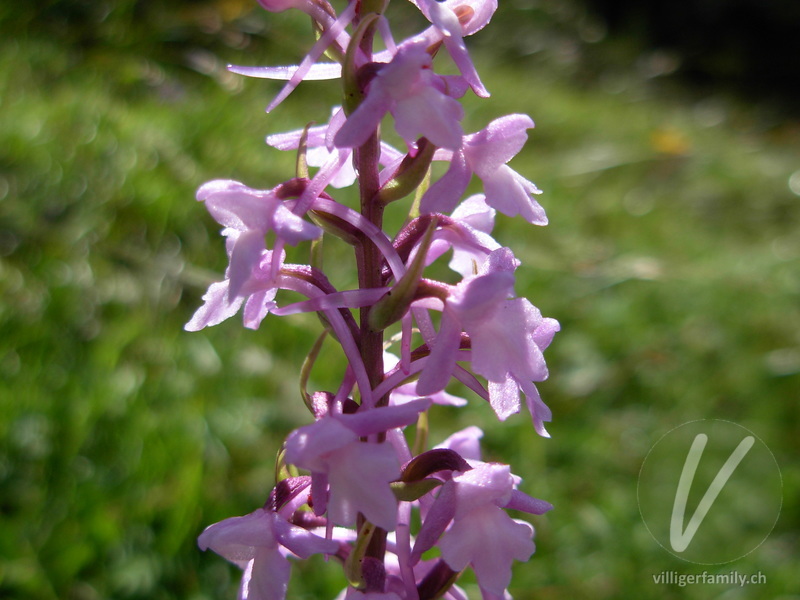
(672, 261)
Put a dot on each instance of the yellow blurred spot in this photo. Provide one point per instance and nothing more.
(233, 9)
(670, 141)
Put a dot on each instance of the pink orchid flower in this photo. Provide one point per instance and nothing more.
(472, 242)
(446, 20)
(247, 216)
(417, 98)
(358, 472)
(485, 154)
(259, 299)
(259, 543)
(507, 338)
(472, 529)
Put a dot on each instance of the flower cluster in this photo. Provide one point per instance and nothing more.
(348, 483)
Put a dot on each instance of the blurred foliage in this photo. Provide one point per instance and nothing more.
(671, 261)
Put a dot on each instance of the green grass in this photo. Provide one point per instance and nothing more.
(671, 260)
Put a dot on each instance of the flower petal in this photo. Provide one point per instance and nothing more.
(308, 446)
(236, 538)
(504, 397)
(443, 195)
(442, 359)
(359, 475)
(489, 540)
(217, 307)
(267, 576)
(302, 542)
(377, 420)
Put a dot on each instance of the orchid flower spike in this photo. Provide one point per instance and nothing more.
(373, 493)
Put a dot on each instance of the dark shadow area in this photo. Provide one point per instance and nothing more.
(751, 47)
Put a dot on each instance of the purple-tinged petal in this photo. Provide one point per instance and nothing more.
(290, 227)
(436, 520)
(466, 442)
(402, 75)
(359, 477)
(487, 483)
(477, 297)
(487, 595)
(363, 121)
(509, 192)
(432, 114)
(241, 208)
(447, 22)
(267, 576)
(443, 196)
(454, 86)
(236, 538)
(318, 49)
(442, 359)
(408, 88)
(396, 377)
(315, 137)
(464, 238)
(344, 177)
(245, 258)
(390, 157)
(496, 144)
(258, 306)
(380, 419)
(337, 121)
(482, 11)
(319, 71)
(346, 299)
(525, 503)
(307, 446)
(540, 412)
(406, 393)
(503, 343)
(544, 333)
(504, 397)
(476, 213)
(217, 307)
(489, 540)
(469, 380)
(498, 261)
(384, 28)
(234, 205)
(302, 542)
(319, 492)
